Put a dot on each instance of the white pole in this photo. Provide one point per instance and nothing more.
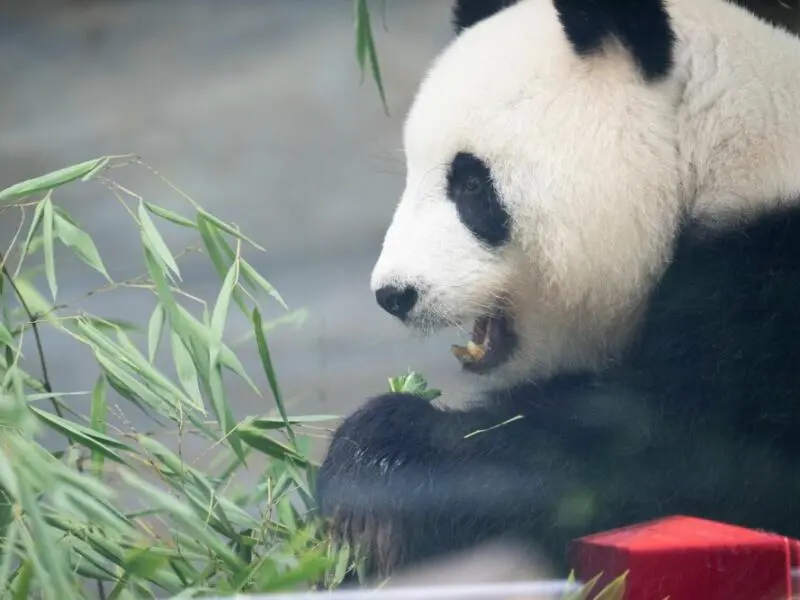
(531, 590)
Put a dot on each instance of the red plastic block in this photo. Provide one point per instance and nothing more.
(684, 558)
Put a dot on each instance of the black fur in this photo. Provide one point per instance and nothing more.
(781, 13)
(643, 27)
(701, 418)
(470, 187)
(467, 13)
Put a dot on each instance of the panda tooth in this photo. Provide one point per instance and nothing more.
(470, 353)
(476, 351)
(461, 353)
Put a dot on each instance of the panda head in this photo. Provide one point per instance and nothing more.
(544, 187)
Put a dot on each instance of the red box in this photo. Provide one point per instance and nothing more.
(684, 558)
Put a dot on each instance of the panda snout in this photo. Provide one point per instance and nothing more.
(397, 301)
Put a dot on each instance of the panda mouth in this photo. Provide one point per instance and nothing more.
(492, 342)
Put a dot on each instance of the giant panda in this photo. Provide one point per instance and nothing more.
(606, 194)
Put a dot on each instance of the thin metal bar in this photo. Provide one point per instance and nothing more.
(538, 590)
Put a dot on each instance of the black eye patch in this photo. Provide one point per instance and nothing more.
(470, 187)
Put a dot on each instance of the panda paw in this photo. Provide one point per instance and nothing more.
(374, 484)
(405, 482)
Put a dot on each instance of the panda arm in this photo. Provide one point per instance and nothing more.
(410, 481)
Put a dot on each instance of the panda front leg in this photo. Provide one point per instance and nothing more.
(406, 481)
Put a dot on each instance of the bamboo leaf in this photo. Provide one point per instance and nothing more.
(220, 224)
(214, 244)
(413, 383)
(184, 367)
(221, 308)
(8, 552)
(200, 334)
(154, 330)
(97, 419)
(376, 71)
(80, 242)
(93, 440)
(22, 582)
(183, 515)
(269, 446)
(37, 303)
(62, 526)
(310, 568)
(168, 215)
(266, 363)
(143, 562)
(155, 242)
(267, 423)
(52, 180)
(133, 389)
(257, 281)
(49, 256)
(189, 479)
(5, 336)
(46, 555)
(342, 564)
(248, 273)
(585, 590)
(137, 366)
(27, 248)
(106, 324)
(614, 590)
(222, 411)
(365, 48)
(362, 25)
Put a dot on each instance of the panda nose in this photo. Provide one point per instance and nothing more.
(396, 301)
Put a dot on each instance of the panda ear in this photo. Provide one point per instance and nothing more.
(643, 27)
(468, 12)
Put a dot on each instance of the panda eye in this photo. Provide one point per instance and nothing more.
(473, 184)
(471, 188)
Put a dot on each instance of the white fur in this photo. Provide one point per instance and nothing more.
(739, 117)
(595, 167)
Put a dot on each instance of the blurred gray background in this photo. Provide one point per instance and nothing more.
(257, 110)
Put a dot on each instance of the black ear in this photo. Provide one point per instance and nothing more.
(782, 13)
(468, 12)
(643, 27)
